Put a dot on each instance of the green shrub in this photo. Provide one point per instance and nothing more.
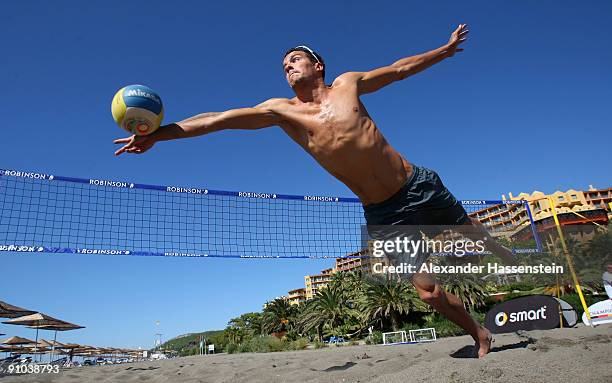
(443, 326)
(411, 326)
(376, 338)
(263, 344)
(274, 344)
(353, 342)
(267, 344)
(299, 344)
(231, 348)
(318, 344)
(244, 347)
(478, 316)
(291, 336)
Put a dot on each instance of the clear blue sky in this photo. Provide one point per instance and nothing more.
(522, 109)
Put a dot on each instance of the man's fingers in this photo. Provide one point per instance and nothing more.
(460, 31)
(118, 152)
(122, 140)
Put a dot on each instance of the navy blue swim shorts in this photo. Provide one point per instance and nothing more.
(423, 200)
(422, 206)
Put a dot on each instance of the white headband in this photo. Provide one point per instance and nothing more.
(309, 51)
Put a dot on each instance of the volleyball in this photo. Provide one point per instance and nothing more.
(137, 109)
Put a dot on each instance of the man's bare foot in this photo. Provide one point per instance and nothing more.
(483, 344)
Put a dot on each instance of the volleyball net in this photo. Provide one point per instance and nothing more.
(57, 214)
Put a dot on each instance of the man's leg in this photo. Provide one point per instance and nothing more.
(451, 307)
(476, 231)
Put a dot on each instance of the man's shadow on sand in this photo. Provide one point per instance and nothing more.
(468, 352)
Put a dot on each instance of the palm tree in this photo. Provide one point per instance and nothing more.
(389, 299)
(594, 256)
(469, 291)
(233, 334)
(588, 258)
(328, 309)
(350, 285)
(250, 323)
(278, 316)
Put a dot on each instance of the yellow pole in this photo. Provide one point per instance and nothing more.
(559, 303)
(569, 260)
(557, 288)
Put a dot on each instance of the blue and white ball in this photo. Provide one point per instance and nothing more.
(137, 109)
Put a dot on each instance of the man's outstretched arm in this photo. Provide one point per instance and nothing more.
(374, 80)
(260, 116)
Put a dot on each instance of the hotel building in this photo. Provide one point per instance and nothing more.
(316, 282)
(296, 297)
(579, 211)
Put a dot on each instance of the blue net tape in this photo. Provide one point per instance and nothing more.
(57, 214)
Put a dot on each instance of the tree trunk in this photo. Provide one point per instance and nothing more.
(394, 321)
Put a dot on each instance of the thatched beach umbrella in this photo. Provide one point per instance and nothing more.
(36, 320)
(85, 350)
(69, 348)
(56, 344)
(16, 340)
(59, 326)
(90, 351)
(14, 344)
(43, 343)
(10, 311)
(17, 349)
(37, 350)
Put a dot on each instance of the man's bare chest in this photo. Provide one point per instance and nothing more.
(330, 117)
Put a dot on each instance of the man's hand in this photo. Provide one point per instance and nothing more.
(459, 36)
(135, 144)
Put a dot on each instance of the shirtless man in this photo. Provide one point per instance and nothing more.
(333, 126)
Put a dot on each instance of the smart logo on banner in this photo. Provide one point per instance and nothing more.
(533, 312)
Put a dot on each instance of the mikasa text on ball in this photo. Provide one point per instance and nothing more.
(137, 109)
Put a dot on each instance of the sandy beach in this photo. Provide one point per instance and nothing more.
(561, 355)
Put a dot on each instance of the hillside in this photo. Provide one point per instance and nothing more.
(189, 341)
